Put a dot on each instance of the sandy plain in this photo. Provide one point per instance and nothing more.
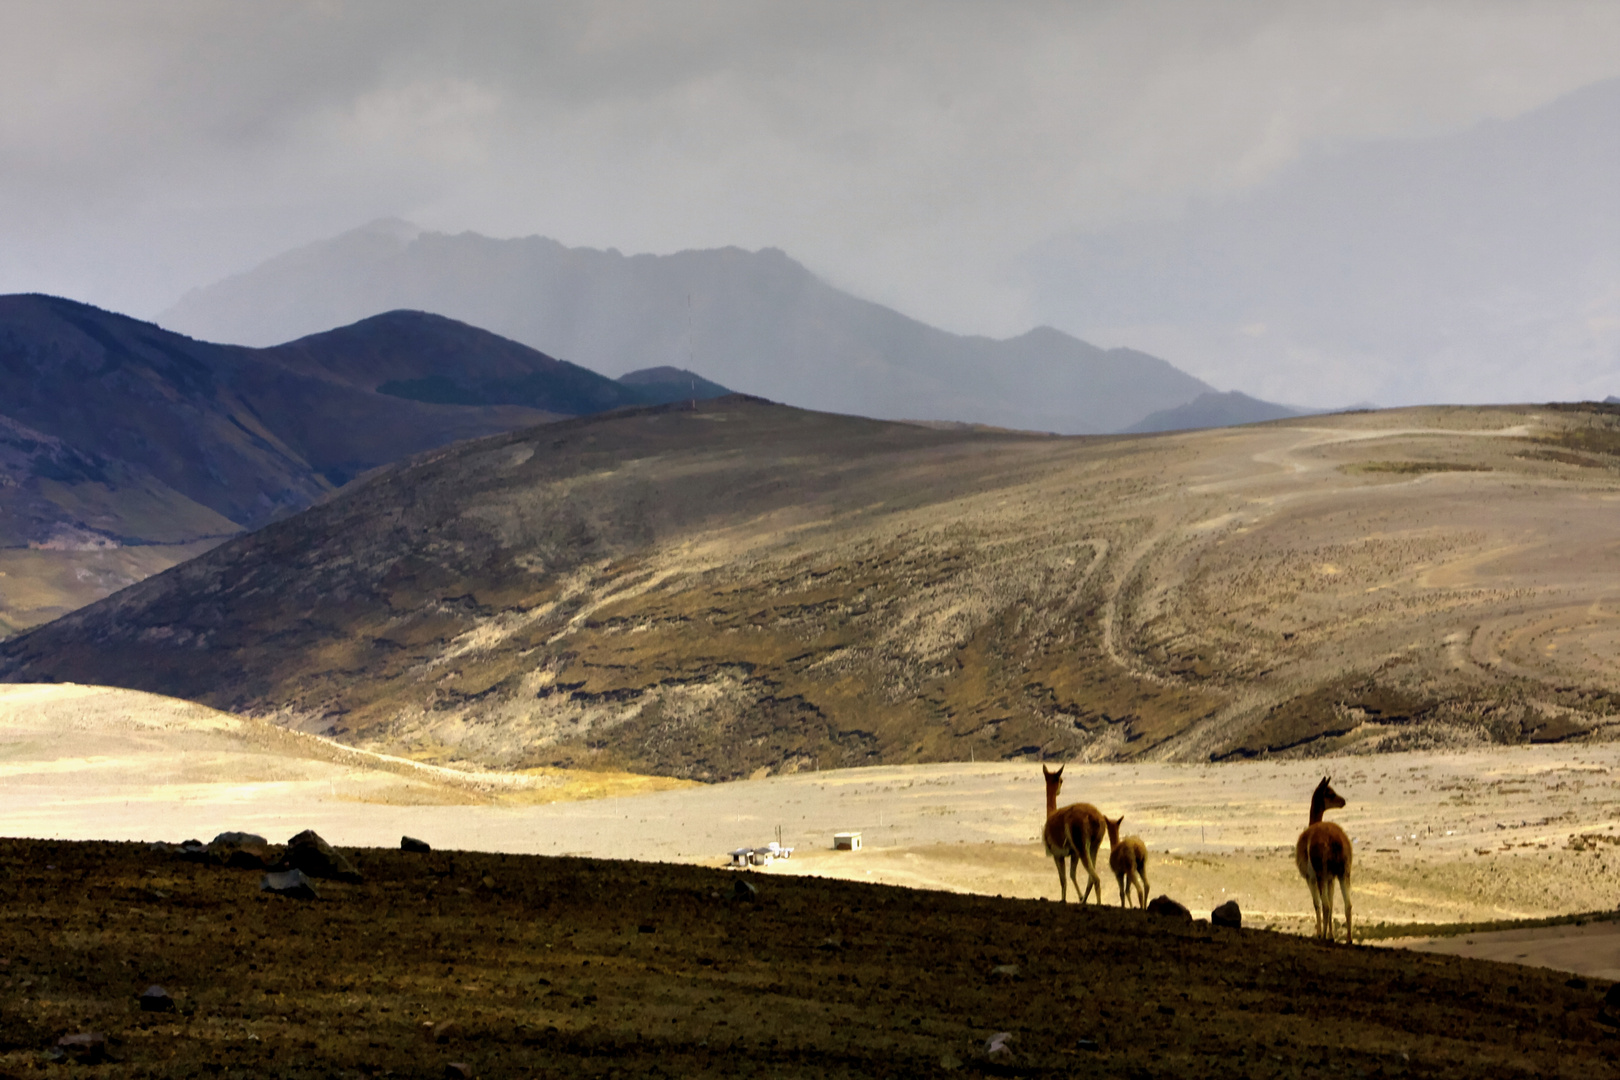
(1441, 837)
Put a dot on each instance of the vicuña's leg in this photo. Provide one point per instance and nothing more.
(1327, 908)
(1063, 882)
(1093, 881)
(1344, 887)
(1120, 878)
(1143, 872)
(1139, 887)
(1316, 900)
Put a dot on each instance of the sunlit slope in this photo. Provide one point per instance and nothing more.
(750, 587)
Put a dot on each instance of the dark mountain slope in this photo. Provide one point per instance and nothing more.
(758, 322)
(110, 387)
(53, 495)
(428, 358)
(251, 433)
(116, 434)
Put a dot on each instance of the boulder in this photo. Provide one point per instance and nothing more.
(85, 1047)
(744, 890)
(411, 843)
(189, 850)
(247, 851)
(315, 857)
(291, 883)
(1170, 909)
(1228, 914)
(156, 999)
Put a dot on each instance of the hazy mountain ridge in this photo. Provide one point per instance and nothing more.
(757, 322)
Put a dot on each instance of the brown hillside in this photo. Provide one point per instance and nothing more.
(750, 587)
(521, 965)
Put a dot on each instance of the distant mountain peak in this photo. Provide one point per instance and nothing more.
(756, 322)
(665, 384)
(664, 374)
(1213, 409)
(392, 227)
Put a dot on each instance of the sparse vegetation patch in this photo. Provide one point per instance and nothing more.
(1414, 468)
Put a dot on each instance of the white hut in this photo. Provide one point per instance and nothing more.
(847, 841)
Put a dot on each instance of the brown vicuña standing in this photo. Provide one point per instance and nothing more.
(1323, 855)
(1074, 832)
(1127, 858)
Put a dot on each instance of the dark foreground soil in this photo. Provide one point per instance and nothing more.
(527, 966)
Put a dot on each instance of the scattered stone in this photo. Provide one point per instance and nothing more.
(85, 1047)
(189, 850)
(744, 890)
(315, 857)
(1228, 914)
(291, 883)
(1577, 983)
(412, 844)
(1005, 971)
(1170, 909)
(996, 1045)
(246, 851)
(156, 999)
(458, 1070)
(444, 1031)
(647, 928)
(1086, 1044)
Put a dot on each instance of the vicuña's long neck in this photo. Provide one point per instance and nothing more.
(1051, 799)
(1318, 805)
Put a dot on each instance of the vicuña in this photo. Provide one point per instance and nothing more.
(1323, 855)
(1074, 832)
(1127, 858)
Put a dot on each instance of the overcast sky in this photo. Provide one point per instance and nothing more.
(910, 152)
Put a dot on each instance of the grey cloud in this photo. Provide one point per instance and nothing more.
(909, 151)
